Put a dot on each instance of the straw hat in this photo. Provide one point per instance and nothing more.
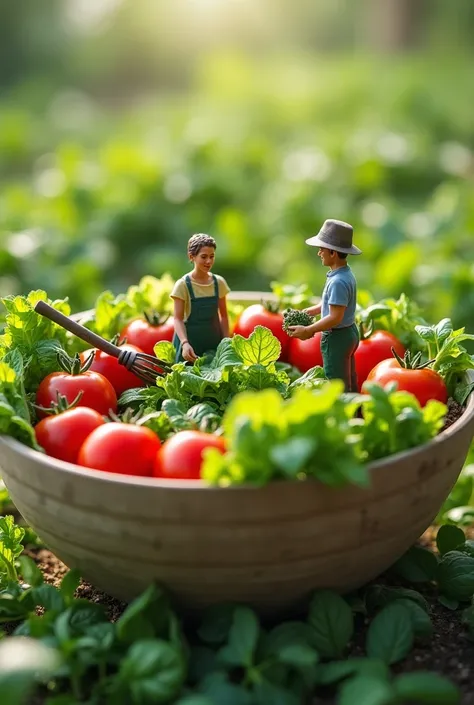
(335, 235)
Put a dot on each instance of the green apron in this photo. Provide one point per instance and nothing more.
(338, 346)
(203, 327)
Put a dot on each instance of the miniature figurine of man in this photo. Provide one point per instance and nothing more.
(340, 336)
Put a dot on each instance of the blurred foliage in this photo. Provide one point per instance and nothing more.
(258, 154)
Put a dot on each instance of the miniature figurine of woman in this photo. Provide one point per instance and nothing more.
(340, 336)
(200, 303)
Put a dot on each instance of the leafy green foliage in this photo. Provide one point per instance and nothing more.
(293, 317)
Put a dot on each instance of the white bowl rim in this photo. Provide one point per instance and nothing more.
(137, 481)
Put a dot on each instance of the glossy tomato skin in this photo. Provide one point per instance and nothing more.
(119, 377)
(98, 393)
(125, 449)
(373, 350)
(62, 435)
(145, 335)
(180, 457)
(424, 384)
(305, 354)
(258, 315)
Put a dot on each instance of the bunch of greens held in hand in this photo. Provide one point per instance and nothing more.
(70, 652)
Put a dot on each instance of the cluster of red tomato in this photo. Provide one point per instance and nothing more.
(83, 434)
(374, 359)
(90, 435)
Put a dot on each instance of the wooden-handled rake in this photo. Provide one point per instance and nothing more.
(146, 367)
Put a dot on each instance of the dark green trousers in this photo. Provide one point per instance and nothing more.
(338, 346)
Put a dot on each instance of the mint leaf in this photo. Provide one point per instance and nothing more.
(425, 687)
(449, 538)
(390, 635)
(266, 693)
(261, 348)
(30, 572)
(332, 621)
(243, 638)
(335, 671)
(151, 672)
(381, 595)
(417, 565)
(455, 576)
(420, 619)
(367, 690)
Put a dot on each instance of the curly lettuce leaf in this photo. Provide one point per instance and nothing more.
(394, 421)
(397, 316)
(14, 414)
(151, 293)
(450, 358)
(109, 316)
(260, 348)
(35, 337)
(309, 435)
(165, 351)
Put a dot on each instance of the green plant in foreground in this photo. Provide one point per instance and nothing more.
(72, 653)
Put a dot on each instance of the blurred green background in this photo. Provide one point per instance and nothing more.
(126, 126)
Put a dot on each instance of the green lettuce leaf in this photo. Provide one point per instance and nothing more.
(35, 337)
(165, 351)
(260, 348)
(14, 414)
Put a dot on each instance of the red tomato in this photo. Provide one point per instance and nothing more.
(145, 335)
(98, 393)
(258, 315)
(424, 384)
(180, 457)
(62, 435)
(305, 354)
(373, 350)
(119, 377)
(122, 448)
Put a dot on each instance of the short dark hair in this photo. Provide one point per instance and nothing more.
(197, 242)
(341, 255)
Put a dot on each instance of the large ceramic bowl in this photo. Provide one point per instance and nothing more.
(266, 546)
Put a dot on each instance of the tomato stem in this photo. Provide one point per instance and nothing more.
(155, 318)
(410, 361)
(271, 306)
(60, 405)
(74, 365)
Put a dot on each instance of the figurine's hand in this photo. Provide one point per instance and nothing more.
(301, 332)
(188, 353)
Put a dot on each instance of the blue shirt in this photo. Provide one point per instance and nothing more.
(340, 290)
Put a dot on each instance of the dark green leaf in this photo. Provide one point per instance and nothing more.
(216, 623)
(421, 621)
(449, 538)
(448, 603)
(381, 595)
(418, 565)
(335, 671)
(69, 585)
(152, 671)
(30, 571)
(425, 687)
(243, 639)
(331, 618)
(48, 597)
(390, 635)
(145, 617)
(365, 690)
(455, 576)
(267, 693)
